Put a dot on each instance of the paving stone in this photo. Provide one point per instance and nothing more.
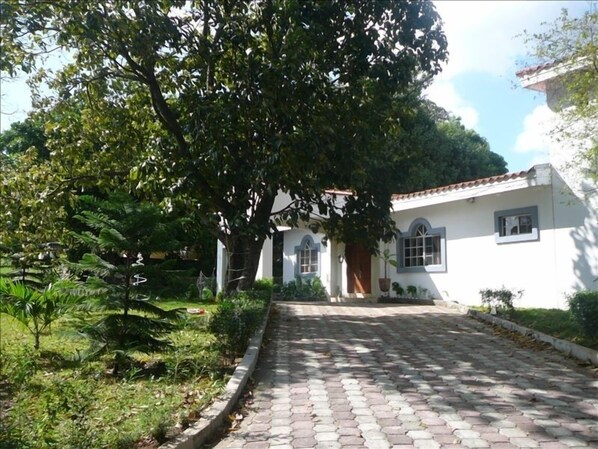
(351, 440)
(327, 436)
(466, 434)
(328, 445)
(474, 442)
(426, 444)
(375, 376)
(419, 435)
(304, 443)
(558, 431)
(399, 439)
(513, 433)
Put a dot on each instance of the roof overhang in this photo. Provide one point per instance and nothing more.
(536, 78)
(539, 175)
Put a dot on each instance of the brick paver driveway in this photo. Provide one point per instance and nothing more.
(375, 376)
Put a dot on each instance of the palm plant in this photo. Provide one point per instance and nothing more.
(119, 231)
(35, 308)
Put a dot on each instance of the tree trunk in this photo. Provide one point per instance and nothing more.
(244, 258)
(244, 248)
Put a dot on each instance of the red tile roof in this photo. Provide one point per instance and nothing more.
(535, 68)
(463, 185)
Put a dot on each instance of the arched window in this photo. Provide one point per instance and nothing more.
(422, 248)
(308, 256)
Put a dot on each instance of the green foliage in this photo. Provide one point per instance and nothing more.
(21, 136)
(36, 309)
(447, 152)
(56, 402)
(571, 43)
(207, 295)
(235, 321)
(33, 210)
(584, 309)
(412, 291)
(121, 230)
(398, 289)
(388, 258)
(20, 366)
(303, 289)
(265, 284)
(500, 301)
(556, 322)
(262, 289)
(216, 106)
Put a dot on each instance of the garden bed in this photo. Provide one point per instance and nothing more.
(51, 399)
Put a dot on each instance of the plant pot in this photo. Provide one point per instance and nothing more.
(384, 284)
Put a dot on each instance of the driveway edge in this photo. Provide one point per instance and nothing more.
(213, 417)
(570, 349)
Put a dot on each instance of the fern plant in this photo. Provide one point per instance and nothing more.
(119, 231)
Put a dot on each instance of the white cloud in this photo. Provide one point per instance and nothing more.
(444, 94)
(535, 137)
(482, 35)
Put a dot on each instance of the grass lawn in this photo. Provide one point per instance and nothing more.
(53, 400)
(555, 322)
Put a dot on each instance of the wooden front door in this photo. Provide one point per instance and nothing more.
(359, 269)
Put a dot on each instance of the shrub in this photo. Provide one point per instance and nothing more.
(305, 289)
(500, 301)
(264, 284)
(207, 295)
(584, 309)
(263, 289)
(398, 289)
(235, 321)
(412, 290)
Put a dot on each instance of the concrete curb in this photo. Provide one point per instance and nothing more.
(213, 417)
(570, 349)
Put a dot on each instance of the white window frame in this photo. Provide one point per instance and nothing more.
(422, 232)
(313, 257)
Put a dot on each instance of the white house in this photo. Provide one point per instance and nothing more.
(535, 230)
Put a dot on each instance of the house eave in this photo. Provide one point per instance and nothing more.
(537, 78)
(538, 176)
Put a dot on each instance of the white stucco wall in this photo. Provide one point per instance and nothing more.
(264, 269)
(292, 239)
(544, 269)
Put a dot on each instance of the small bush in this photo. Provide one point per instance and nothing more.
(191, 292)
(207, 295)
(303, 289)
(398, 289)
(500, 301)
(584, 309)
(412, 290)
(235, 321)
(263, 289)
(264, 284)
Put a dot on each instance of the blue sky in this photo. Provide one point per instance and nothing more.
(478, 83)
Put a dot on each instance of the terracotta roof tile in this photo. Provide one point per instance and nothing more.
(462, 185)
(535, 68)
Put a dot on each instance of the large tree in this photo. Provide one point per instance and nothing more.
(239, 100)
(446, 152)
(571, 45)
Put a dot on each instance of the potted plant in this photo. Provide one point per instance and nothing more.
(384, 283)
